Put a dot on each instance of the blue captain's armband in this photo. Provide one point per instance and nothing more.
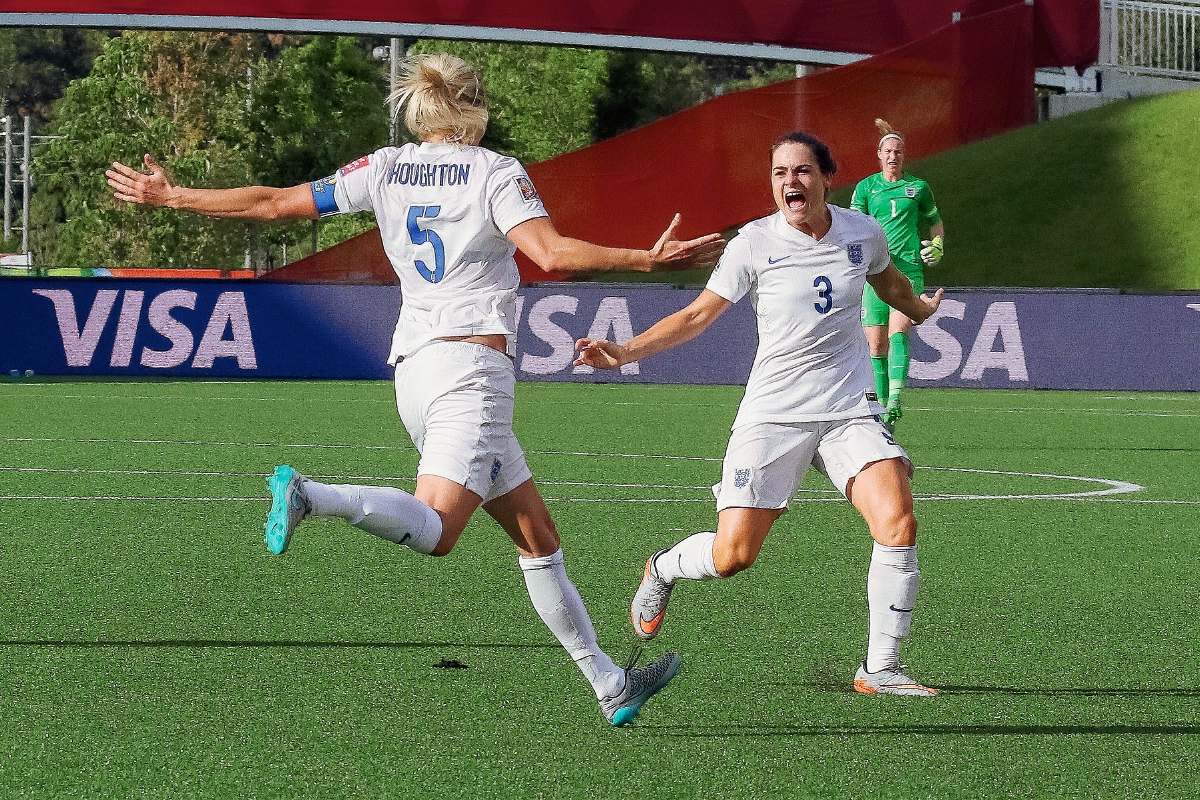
(322, 192)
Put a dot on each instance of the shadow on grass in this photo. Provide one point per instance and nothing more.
(768, 730)
(218, 643)
(841, 686)
(825, 682)
(1074, 692)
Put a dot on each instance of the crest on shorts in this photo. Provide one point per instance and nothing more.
(528, 193)
(495, 469)
(855, 253)
(910, 191)
(741, 478)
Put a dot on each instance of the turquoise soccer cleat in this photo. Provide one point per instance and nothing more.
(288, 507)
(640, 686)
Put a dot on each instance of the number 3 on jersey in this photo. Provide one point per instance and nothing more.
(420, 236)
(825, 292)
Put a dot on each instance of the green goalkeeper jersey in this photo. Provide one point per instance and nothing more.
(899, 206)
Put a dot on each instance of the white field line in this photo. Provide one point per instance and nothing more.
(1116, 412)
(124, 498)
(708, 501)
(193, 399)
(1113, 487)
(410, 448)
(64, 440)
(343, 478)
(644, 404)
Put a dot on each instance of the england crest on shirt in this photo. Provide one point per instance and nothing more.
(854, 253)
(741, 478)
(910, 191)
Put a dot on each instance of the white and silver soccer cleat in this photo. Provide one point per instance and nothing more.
(649, 606)
(640, 685)
(889, 681)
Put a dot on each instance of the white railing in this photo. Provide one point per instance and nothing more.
(1151, 38)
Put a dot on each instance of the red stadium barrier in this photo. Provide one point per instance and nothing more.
(360, 261)
(965, 82)
(1066, 31)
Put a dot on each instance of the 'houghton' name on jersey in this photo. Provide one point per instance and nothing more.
(444, 213)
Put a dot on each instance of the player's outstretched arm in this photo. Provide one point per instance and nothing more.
(155, 188)
(553, 252)
(677, 328)
(895, 290)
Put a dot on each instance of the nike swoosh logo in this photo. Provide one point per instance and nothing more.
(776, 260)
(901, 610)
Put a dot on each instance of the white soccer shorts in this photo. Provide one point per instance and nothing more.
(456, 400)
(766, 461)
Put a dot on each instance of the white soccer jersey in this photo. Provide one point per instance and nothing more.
(812, 362)
(443, 214)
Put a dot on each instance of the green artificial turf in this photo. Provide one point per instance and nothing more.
(150, 646)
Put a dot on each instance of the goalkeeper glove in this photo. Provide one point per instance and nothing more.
(931, 251)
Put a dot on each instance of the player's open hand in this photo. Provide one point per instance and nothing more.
(670, 253)
(153, 187)
(599, 353)
(931, 304)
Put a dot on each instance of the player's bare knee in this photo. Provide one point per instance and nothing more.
(543, 540)
(450, 534)
(899, 530)
(736, 559)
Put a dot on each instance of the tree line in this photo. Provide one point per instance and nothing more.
(230, 109)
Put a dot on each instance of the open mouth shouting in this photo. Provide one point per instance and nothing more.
(794, 200)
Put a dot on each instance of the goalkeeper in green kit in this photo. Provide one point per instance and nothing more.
(902, 205)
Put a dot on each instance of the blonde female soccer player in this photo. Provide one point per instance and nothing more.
(903, 205)
(809, 400)
(451, 215)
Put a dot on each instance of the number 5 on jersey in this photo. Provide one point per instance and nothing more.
(420, 236)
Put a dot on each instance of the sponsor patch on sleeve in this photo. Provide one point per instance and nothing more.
(353, 165)
(528, 193)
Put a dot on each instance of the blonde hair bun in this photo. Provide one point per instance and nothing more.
(442, 98)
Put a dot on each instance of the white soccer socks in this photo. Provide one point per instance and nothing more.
(892, 582)
(389, 513)
(692, 559)
(558, 603)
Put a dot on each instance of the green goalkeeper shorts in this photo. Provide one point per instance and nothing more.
(875, 311)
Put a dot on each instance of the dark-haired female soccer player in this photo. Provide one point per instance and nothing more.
(810, 400)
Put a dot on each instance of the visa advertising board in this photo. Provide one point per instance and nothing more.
(258, 330)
